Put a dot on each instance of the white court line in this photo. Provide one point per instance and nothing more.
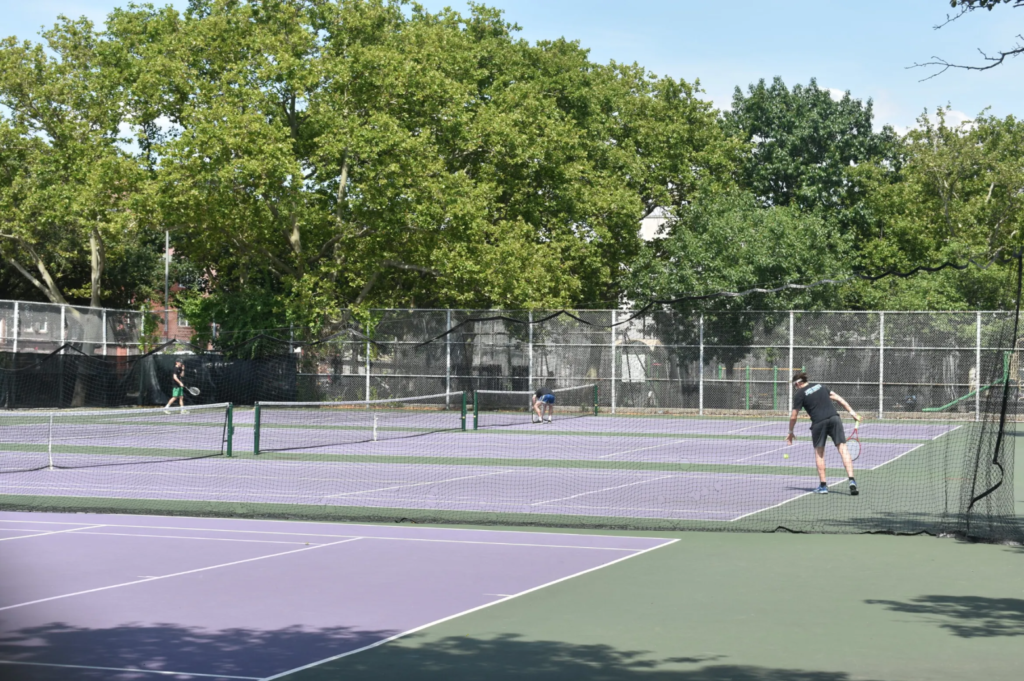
(844, 480)
(131, 669)
(756, 425)
(335, 536)
(47, 534)
(782, 503)
(460, 614)
(918, 447)
(777, 449)
(606, 489)
(642, 449)
(171, 536)
(292, 523)
(419, 484)
(176, 574)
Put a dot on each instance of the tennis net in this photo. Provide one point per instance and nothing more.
(492, 408)
(37, 440)
(314, 426)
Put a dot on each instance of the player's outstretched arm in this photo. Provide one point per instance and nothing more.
(792, 424)
(845, 405)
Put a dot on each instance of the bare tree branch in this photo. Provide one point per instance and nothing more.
(966, 7)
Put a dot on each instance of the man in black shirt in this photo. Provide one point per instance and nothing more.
(543, 399)
(177, 385)
(817, 400)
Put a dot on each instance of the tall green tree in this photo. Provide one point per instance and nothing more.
(315, 156)
(959, 195)
(67, 188)
(803, 145)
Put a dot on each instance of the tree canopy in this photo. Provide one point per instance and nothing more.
(314, 158)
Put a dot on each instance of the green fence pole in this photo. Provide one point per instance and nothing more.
(463, 410)
(775, 388)
(476, 411)
(256, 430)
(231, 427)
(748, 388)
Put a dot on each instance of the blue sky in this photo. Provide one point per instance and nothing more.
(862, 46)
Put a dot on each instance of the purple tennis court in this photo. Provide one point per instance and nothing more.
(140, 597)
(583, 467)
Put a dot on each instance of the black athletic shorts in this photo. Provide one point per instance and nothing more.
(829, 428)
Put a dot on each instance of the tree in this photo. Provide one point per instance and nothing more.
(957, 196)
(803, 144)
(66, 187)
(318, 156)
(732, 243)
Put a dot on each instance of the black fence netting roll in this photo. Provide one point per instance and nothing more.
(659, 419)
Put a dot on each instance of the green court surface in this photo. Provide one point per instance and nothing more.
(742, 607)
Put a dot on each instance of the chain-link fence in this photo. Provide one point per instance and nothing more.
(45, 327)
(884, 363)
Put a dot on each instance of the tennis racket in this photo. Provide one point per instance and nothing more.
(193, 391)
(853, 446)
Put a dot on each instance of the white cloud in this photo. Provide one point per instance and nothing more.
(836, 95)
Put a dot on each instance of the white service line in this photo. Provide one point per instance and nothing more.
(381, 642)
(419, 484)
(171, 536)
(643, 449)
(941, 435)
(756, 425)
(131, 669)
(606, 489)
(47, 534)
(335, 536)
(176, 574)
(290, 523)
(777, 449)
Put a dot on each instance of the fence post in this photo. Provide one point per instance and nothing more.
(103, 321)
(367, 371)
(63, 329)
(881, 363)
(16, 312)
(448, 366)
(790, 381)
(977, 372)
(700, 371)
(529, 351)
(613, 359)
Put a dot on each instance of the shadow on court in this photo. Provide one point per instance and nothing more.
(508, 656)
(966, 616)
(245, 653)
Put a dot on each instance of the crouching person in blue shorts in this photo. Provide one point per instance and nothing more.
(543, 400)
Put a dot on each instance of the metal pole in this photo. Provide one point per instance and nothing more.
(977, 372)
(448, 361)
(167, 284)
(367, 371)
(63, 327)
(790, 382)
(613, 360)
(16, 318)
(700, 372)
(104, 321)
(881, 363)
(49, 443)
(529, 350)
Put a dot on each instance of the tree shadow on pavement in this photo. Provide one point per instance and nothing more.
(239, 653)
(966, 616)
(509, 656)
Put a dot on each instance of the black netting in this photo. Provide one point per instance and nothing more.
(685, 415)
